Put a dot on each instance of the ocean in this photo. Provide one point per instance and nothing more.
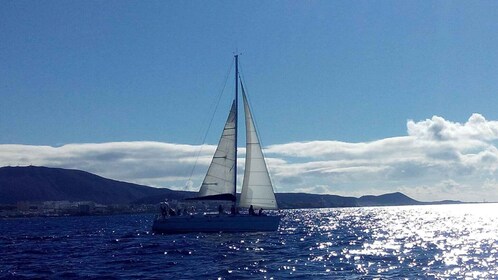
(431, 242)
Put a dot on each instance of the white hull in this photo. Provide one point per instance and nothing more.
(216, 223)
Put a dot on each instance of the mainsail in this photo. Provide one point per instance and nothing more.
(257, 189)
(219, 181)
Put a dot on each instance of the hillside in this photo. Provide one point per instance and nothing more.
(34, 183)
(307, 200)
(387, 200)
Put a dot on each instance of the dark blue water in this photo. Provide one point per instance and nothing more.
(458, 241)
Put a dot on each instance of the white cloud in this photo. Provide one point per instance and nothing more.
(150, 163)
(434, 152)
(437, 128)
(437, 159)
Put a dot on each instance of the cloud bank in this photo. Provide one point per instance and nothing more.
(437, 159)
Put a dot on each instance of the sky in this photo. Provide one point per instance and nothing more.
(350, 97)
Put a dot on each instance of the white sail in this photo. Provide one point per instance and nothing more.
(220, 182)
(257, 189)
(220, 177)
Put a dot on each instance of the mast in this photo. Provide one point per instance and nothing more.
(236, 121)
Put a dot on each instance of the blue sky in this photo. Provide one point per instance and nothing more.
(354, 72)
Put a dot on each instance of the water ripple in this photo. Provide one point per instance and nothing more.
(451, 241)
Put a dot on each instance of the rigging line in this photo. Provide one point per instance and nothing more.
(242, 80)
(211, 120)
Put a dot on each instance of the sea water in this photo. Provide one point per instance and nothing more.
(444, 241)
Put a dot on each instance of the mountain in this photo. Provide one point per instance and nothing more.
(305, 200)
(33, 183)
(389, 199)
(308, 200)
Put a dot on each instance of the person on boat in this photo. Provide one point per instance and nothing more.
(220, 209)
(251, 211)
(171, 212)
(164, 212)
(260, 213)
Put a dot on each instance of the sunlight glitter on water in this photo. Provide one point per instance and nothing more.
(447, 241)
(440, 241)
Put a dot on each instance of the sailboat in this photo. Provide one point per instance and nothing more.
(220, 183)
